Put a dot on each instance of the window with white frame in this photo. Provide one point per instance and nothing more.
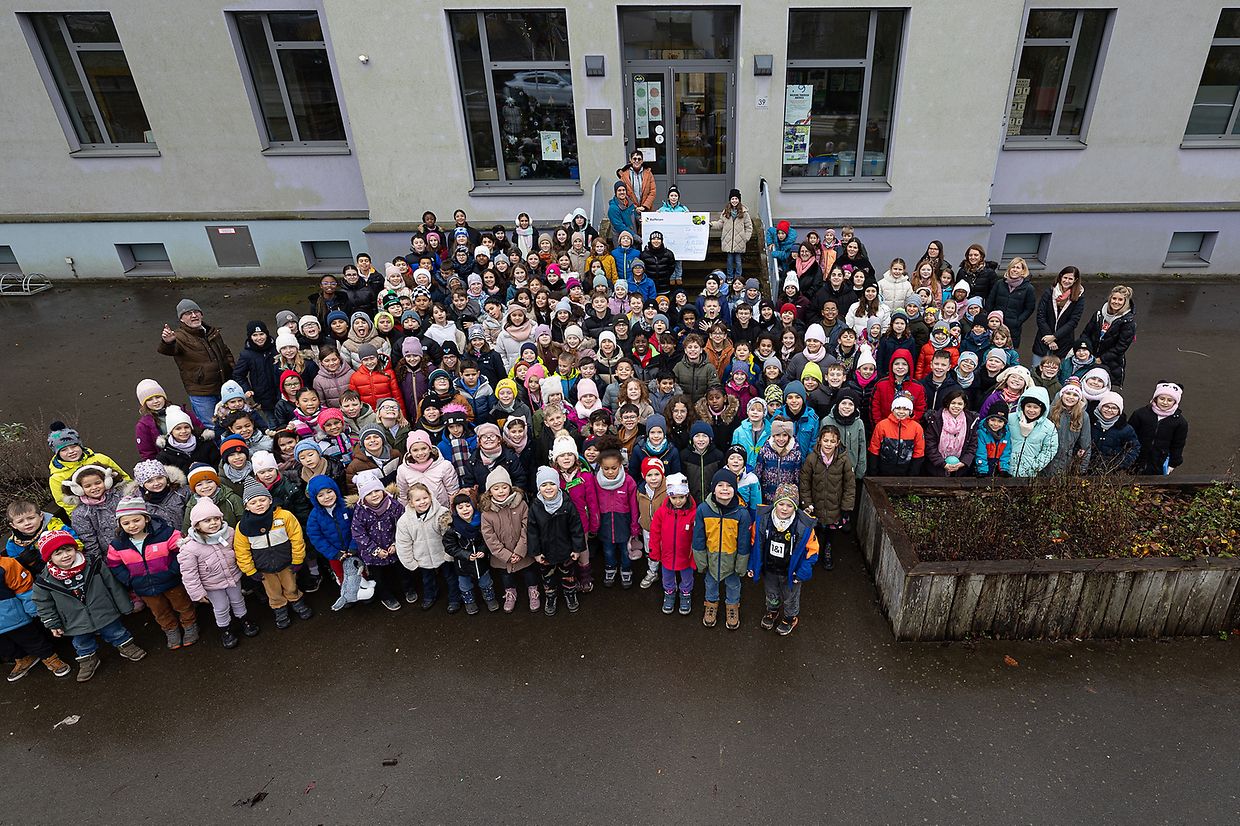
(83, 54)
(1031, 246)
(840, 93)
(517, 95)
(1059, 60)
(291, 79)
(1215, 109)
(1191, 249)
(8, 261)
(144, 259)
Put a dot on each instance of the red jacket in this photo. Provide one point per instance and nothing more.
(885, 391)
(671, 536)
(375, 385)
(927, 353)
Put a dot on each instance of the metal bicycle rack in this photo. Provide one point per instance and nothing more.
(18, 284)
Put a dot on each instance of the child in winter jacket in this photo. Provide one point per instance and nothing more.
(183, 446)
(464, 543)
(1116, 446)
(619, 530)
(828, 490)
(722, 539)
(1162, 431)
(846, 418)
(268, 542)
(93, 492)
(556, 540)
(337, 438)
(994, 448)
(209, 571)
(505, 516)
(779, 461)
(651, 491)
(579, 482)
(785, 549)
(22, 639)
(1035, 441)
(671, 544)
(165, 499)
(374, 533)
(68, 456)
(898, 444)
(654, 445)
(748, 485)
(419, 546)
(204, 483)
(372, 381)
(329, 527)
(143, 558)
(78, 597)
(28, 523)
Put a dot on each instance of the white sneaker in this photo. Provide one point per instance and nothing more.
(652, 574)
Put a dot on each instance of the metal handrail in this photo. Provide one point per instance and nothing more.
(764, 212)
(595, 206)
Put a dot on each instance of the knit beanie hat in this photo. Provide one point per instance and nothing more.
(149, 388)
(264, 460)
(367, 483)
(563, 444)
(788, 491)
(866, 357)
(52, 541)
(756, 401)
(233, 444)
(498, 476)
(62, 436)
(655, 420)
(253, 489)
(549, 387)
(996, 352)
(723, 475)
(367, 350)
(999, 410)
(198, 472)
(545, 475)
(701, 427)
(1111, 397)
(652, 463)
(509, 384)
(131, 504)
(586, 387)
(816, 333)
(488, 429)
(304, 445)
(968, 355)
(231, 390)
(411, 346)
(203, 509)
(175, 417)
(285, 338)
(147, 470)
(813, 371)
(327, 414)
(781, 425)
(993, 314)
(186, 305)
(417, 437)
(902, 401)
(678, 484)
(774, 394)
(1168, 388)
(573, 330)
(285, 317)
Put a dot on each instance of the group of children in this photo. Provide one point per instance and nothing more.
(491, 429)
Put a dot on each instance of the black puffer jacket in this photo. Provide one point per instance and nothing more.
(555, 536)
(1016, 305)
(660, 264)
(1111, 346)
(981, 281)
(254, 368)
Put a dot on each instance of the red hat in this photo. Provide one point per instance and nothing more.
(233, 444)
(788, 308)
(52, 541)
(651, 463)
(783, 226)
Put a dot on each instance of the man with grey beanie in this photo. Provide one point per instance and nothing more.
(202, 357)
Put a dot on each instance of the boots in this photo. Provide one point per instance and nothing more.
(652, 573)
(570, 601)
(534, 603)
(585, 578)
(733, 620)
(173, 635)
(249, 627)
(626, 580)
(190, 635)
(130, 650)
(303, 611)
(685, 604)
(57, 666)
(227, 638)
(669, 602)
(21, 667)
(609, 577)
(282, 618)
(710, 614)
(510, 600)
(471, 604)
(770, 618)
(87, 668)
(549, 606)
(489, 598)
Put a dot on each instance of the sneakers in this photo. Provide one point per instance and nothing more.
(571, 601)
(652, 573)
(173, 636)
(228, 639)
(303, 611)
(669, 602)
(189, 635)
(411, 596)
(770, 618)
(534, 598)
(22, 667)
(87, 667)
(733, 620)
(282, 618)
(549, 605)
(785, 626)
(249, 627)
(686, 605)
(427, 603)
(626, 580)
(510, 600)
(130, 650)
(57, 666)
(390, 604)
(313, 581)
(471, 608)
(492, 604)
(710, 614)
(609, 577)
(453, 607)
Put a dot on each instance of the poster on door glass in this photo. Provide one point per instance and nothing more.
(654, 93)
(641, 108)
(798, 100)
(796, 143)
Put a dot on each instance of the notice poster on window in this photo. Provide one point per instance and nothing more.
(654, 94)
(641, 107)
(796, 143)
(684, 233)
(552, 147)
(798, 99)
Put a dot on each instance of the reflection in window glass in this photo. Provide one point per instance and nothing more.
(1058, 60)
(1214, 109)
(828, 35)
(521, 35)
(531, 105)
(295, 26)
(678, 34)
(312, 94)
(1041, 71)
(112, 84)
(474, 91)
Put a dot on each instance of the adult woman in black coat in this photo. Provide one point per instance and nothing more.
(1112, 331)
(977, 271)
(1059, 311)
(253, 370)
(1014, 297)
(855, 258)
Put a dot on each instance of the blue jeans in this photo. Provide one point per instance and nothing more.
(616, 555)
(466, 583)
(734, 264)
(114, 632)
(731, 586)
(204, 408)
(430, 583)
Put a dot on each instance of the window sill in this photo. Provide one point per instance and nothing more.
(143, 271)
(329, 267)
(1221, 142)
(488, 189)
(834, 185)
(1193, 263)
(308, 149)
(118, 152)
(1022, 145)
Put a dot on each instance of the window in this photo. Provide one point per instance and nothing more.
(8, 261)
(144, 259)
(1213, 117)
(85, 61)
(840, 94)
(293, 92)
(1031, 246)
(1190, 249)
(1058, 66)
(517, 95)
(679, 34)
(326, 256)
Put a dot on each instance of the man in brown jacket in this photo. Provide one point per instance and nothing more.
(202, 357)
(639, 181)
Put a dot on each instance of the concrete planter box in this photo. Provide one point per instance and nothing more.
(1041, 598)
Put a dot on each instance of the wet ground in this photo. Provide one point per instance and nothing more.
(617, 713)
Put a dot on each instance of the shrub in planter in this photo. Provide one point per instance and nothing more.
(23, 465)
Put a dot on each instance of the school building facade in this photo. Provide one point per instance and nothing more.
(281, 137)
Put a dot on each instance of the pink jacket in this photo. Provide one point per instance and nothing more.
(584, 494)
(146, 433)
(620, 502)
(440, 479)
(329, 386)
(207, 566)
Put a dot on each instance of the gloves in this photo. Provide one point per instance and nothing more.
(635, 547)
(208, 434)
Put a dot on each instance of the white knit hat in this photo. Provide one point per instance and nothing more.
(285, 338)
(176, 416)
(563, 444)
(263, 460)
(148, 388)
(549, 386)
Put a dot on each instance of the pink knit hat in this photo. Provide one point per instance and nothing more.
(204, 509)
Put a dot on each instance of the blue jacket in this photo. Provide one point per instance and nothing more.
(991, 446)
(1116, 448)
(641, 450)
(331, 534)
(1033, 453)
(804, 428)
(481, 397)
(783, 250)
(624, 259)
(804, 554)
(623, 219)
(17, 608)
(744, 437)
(645, 288)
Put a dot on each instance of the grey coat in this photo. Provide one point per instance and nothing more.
(1069, 444)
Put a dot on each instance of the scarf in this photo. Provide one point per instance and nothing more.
(864, 382)
(827, 459)
(521, 332)
(965, 382)
(256, 524)
(611, 484)
(500, 504)
(1013, 282)
(525, 239)
(157, 498)
(467, 530)
(460, 455)
(841, 419)
(816, 359)
(517, 445)
(74, 577)
(420, 467)
(1107, 424)
(186, 446)
(379, 509)
(235, 475)
(1107, 318)
(552, 505)
(491, 457)
(1060, 296)
(803, 266)
(1026, 427)
(1009, 395)
(782, 525)
(220, 537)
(99, 500)
(951, 441)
